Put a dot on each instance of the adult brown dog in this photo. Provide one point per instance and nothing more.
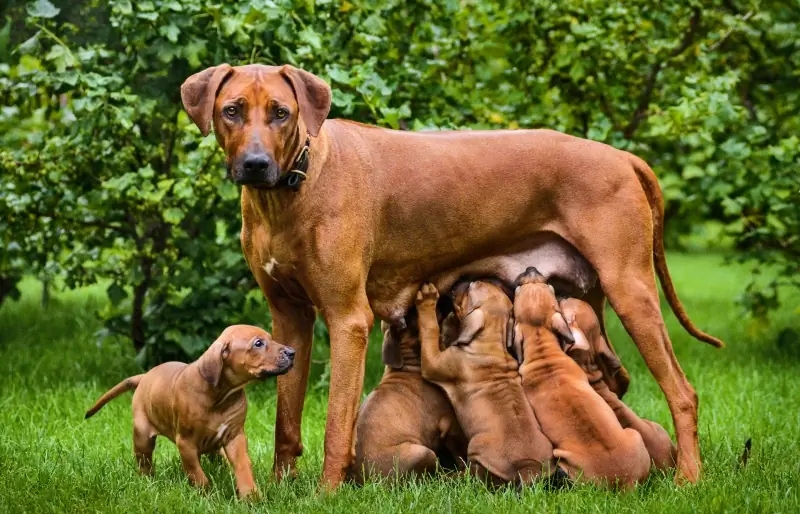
(381, 211)
(201, 407)
(588, 441)
(406, 422)
(482, 382)
(589, 344)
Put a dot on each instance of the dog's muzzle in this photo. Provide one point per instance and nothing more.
(256, 169)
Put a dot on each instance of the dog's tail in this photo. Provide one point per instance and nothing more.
(652, 190)
(129, 384)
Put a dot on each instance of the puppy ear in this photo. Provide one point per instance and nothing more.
(518, 341)
(470, 326)
(212, 362)
(313, 97)
(392, 356)
(615, 376)
(199, 93)
(560, 327)
(449, 331)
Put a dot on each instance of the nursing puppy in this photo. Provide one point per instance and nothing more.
(201, 407)
(587, 439)
(406, 423)
(483, 384)
(590, 346)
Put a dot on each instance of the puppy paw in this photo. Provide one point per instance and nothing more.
(427, 297)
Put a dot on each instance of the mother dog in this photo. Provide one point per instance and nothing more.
(351, 218)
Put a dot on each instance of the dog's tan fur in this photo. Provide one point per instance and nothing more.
(588, 441)
(406, 422)
(201, 407)
(588, 349)
(483, 384)
(381, 211)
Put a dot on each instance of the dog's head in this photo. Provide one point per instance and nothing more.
(591, 350)
(242, 354)
(480, 306)
(535, 304)
(262, 116)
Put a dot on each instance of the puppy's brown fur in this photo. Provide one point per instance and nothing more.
(587, 438)
(406, 422)
(483, 384)
(588, 350)
(201, 406)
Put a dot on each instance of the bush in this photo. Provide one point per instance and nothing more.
(104, 177)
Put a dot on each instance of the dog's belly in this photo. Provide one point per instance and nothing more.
(391, 291)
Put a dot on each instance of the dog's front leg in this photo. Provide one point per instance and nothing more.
(190, 458)
(349, 329)
(436, 365)
(292, 325)
(236, 451)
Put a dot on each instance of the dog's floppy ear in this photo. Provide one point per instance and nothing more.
(213, 361)
(313, 97)
(470, 326)
(392, 356)
(614, 374)
(449, 331)
(561, 328)
(199, 93)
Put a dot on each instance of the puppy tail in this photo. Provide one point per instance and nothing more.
(129, 384)
(654, 197)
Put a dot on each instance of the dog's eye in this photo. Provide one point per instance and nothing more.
(231, 111)
(259, 343)
(281, 113)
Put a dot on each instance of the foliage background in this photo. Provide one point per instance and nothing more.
(105, 179)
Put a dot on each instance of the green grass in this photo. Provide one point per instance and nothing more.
(51, 460)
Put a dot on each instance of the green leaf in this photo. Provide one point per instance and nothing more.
(116, 294)
(171, 32)
(173, 215)
(43, 9)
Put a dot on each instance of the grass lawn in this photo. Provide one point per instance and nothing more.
(51, 460)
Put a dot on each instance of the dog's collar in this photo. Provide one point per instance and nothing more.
(293, 178)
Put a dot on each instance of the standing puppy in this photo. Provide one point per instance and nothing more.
(483, 384)
(587, 438)
(406, 422)
(201, 406)
(590, 347)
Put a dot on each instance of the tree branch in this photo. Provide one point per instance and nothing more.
(650, 83)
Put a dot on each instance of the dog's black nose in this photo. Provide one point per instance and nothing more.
(256, 165)
(289, 352)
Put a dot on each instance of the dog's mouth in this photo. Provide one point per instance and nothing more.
(274, 372)
(262, 180)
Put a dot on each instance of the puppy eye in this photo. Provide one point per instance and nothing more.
(231, 111)
(281, 113)
(259, 343)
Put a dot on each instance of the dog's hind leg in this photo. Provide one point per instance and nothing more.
(144, 442)
(414, 458)
(622, 254)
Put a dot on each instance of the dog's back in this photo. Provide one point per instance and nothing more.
(587, 439)
(405, 423)
(589, 347)
(504, 436)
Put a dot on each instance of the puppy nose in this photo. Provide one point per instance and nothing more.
(289, 352)
(256, 164)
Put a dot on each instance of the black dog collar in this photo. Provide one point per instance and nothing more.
(293, 178)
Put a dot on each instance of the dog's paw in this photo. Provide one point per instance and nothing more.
(427, 296)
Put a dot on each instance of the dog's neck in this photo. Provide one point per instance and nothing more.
(222, 395)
